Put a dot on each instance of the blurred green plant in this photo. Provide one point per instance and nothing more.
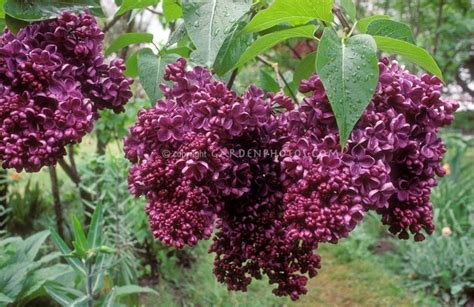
(453, 198)
(23, 273)
(27, 210)
(92, 262)
(441, 266)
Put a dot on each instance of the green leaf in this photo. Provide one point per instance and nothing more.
(94, 235)
(60, 294)
(2, 10)
(181, 51)
(390, 28)
(363, 24)
(234, 45)
(41, 276)
(349, 72)
(45, 9)
(128, 5)
(5, 299)
(33, 243)
(14, 25)
(80, 301)
(295, 12)
(208, 23)
(12, 278)
(127, 39)
(412, 53)
(350, 8)
(80, 240)
(172, 10)
(151, 70)
(267, 80)
(176, 35)
(131, 289)
(267, 41)
(62, 246)
(131, 65)
(110, 298)
(305, 68)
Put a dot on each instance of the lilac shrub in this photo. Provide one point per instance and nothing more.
(205, 160)
(53, 82)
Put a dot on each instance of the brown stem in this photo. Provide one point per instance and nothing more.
(58, 209)
(124, 52)
(232, 78)
(109, 25)
(154, 11)
(342, 18)
(3, 188)
(71, 159)
(386, 7)
(295, 52)
(3, 194)
(279, 75)
(70, 172)
(101, 146)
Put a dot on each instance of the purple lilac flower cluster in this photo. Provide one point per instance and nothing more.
(389, 164)
(53, 82)
(269, 213)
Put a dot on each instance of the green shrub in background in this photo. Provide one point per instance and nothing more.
(464, 121)
(27, 210)
(23, 272)
(443, 266)
(93, 263)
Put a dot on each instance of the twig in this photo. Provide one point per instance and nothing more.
(111, 23)
(71, 158)
(340, 15)
(279, 75)
(154, 11)
(3, 188)
(58, 209)
(70, 172)
(130, 26)
(232, 78)
(295, 52)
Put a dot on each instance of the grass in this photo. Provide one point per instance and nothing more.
(360, 282)
(341, 282)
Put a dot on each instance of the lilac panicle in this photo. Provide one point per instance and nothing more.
(54, 81)
(270, 212)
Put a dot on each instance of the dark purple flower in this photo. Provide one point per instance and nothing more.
(358, 159)
(54, 81)
(170, 128)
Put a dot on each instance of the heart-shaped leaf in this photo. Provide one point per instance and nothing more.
(208, 23)
(151, 69)
(348, 69)
(234, 45)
